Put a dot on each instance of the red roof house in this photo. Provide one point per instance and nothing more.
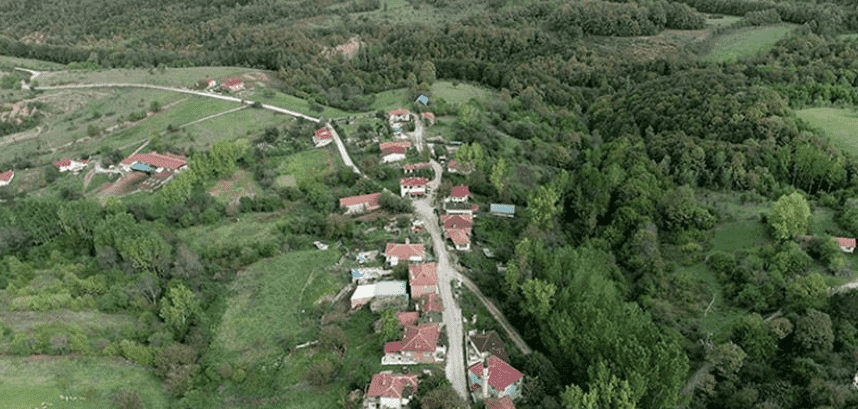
(407, 319)
(6, 177)
(503, 379)
(393, 149)
(68, 164)
(428, 115)
(460, 238)
(460, 194)
(394, 252)
(413, 186)
(233, 84)
(847, 245)
(322, 137)
(419, 343)
(412, 167)
(457, 221)
(399, 112)
(403, 144)
(391, 391)
(502, 403)
(430, 302)
(156, 160)
(423, 279)
(359, 204)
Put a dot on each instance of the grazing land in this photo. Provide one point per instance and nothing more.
(746, 42)
(171, 77)
(27, 382)
(310, 164)
(838, 124)
(37, 65)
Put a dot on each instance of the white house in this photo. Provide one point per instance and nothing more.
(460, 194)
(390, 391)
(412, 186)
(495, 378)
(363, 294)
(6, 177)
(408, 252)
(66, 165)
(392, 154)
(399, 115)
(847, 245)
(322, 137)
(360, 204)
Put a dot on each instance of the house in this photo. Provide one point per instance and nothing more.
(233, 85)
(393, 154)
(360, 204)
(390, 391)
(482, 345)
(428, 116)
(66, 165)
(502, 403)
(419, 345)
(430, 308)
(364, 275)
(402, 144)
(407, 319)
(457, 221)
(507, 210)
(389, 294)
(398, 115)
(453, 166)
(322, 137)
(461, 238)
(495, 378)
(155, 160)
(460, 208)
(412, 186)
(416, 166)
(423, 279)
(211, 84)
(362, 295)
(6, 177)
(319, 245)
(460, 194)
(847, 245)
(408, 252)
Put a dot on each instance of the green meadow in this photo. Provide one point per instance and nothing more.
(746, 42)
(838, 124)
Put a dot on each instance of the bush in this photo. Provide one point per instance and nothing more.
(140, 354)
(127, 400)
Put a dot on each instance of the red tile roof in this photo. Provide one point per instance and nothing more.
(417, 166)
(62, 163)
(371, 200)
(404, 144)
(323, 133)
(163, 174)
(6, 176)
(459, 236)
(157, 160)
(460, 191)
(391, 386)
(423, 274)
(844, 242)
(398, 112)
(403, 251)
(413, 181)
(501, 374)
(430, 302)
(428, 115)
(394, 346)
(394, 149)
(233, 82)
(456, 221)
(407, 318)
(502, 403)
(452, 164)
(421, 338)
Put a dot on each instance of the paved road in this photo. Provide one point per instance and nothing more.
(342, 148)
(455, 369)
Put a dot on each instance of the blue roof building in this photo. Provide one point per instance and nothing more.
(502, 209)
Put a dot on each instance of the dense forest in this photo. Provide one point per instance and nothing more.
(618, 163)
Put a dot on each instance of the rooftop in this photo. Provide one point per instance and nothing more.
(387, 385)
(157, 160)
(6, 176)
(501, 374)
(413, 181)
(404, 251)
(844, 242)
(423, 274)
(460, 191)
(386, 288)
(371, 200)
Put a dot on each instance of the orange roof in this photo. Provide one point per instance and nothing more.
(501, 374)
(233, 82)
(428, 115)
(404, 144)
(460, 191)
(163, 174)
(371, 200)
(391, 386)
(417, 166)
(394, 149)
(459, 236)
(157, 160)
(421, 337)
(404, 251)
(456, 221)
(323, 133)
(62, 163)
(398, 112)
(502, 403)
(423, 274)
(6, 176)
(431, 302)
(407, 318)
(413, 181)
(844, 242)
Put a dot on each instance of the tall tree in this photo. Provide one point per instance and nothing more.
(179, 308)
(790, 216)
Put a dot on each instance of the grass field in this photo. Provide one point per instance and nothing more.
(89, 320)
(250, 228)
(310, 164)
(838, 124)
(297, 104)
(268, 299)
(27, 382)
(36, 65)
(175, 77)
(461, 93)
(723, 21)
(229, 126)
(746, 42)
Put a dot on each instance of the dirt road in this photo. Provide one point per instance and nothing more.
(501, 319)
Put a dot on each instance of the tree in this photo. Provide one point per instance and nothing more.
(498, 175)
(334, 339)
(813, 331)
(444, 397)
(791, 216)
(604, 391)
(727, 359)
(427, 72)
(155, 106)
(807, 292)
(538, 298)
(542, 205)
(179, 307)
(389, 325)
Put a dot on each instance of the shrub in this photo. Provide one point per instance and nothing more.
(140, 354)
(127, 400)
(22, 343)
(239, 375)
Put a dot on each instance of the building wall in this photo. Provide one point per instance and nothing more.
(390, 403)
(419, 290)
(459, 199)
(466, 247)
(393, 157)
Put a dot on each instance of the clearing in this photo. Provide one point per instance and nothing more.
(29, 381)
(746, 42)
(310, 164)
(838, 124)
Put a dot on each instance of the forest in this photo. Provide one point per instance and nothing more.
(625, 168)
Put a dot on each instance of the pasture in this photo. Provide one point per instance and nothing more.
(171, 77)
(746, 42)
(722, 21)
(37, 65)
(838, 124)
(309, 164)
(460, 93)
(296, 104)
(29, 381)
(250, 228)
(268, 300)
